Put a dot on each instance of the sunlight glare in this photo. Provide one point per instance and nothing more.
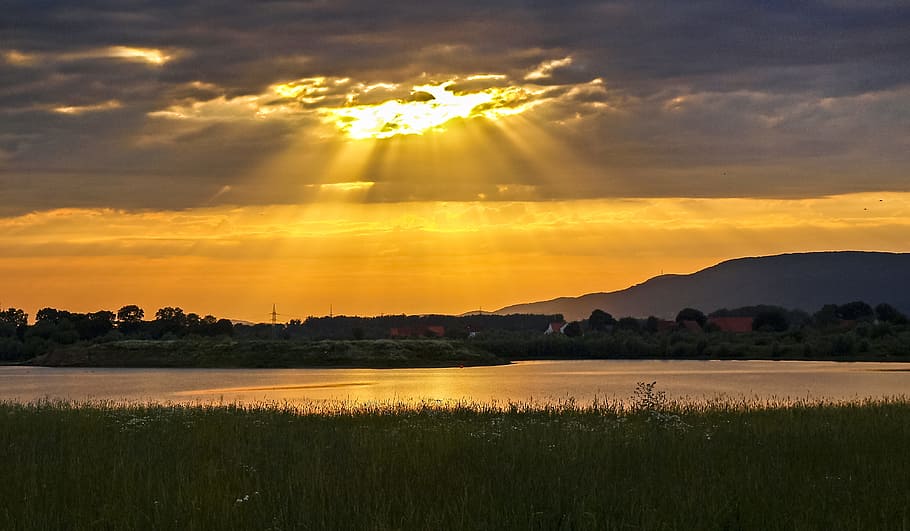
(429, 108)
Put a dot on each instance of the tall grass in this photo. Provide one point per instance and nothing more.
(648, 464)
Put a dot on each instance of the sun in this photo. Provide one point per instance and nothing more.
(376, 109)
(429, 107)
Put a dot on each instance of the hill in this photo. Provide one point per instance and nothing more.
(803, 281)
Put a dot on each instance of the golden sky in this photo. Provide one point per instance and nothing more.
(412, 159)
(445, 257)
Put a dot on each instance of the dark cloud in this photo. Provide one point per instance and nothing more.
(801, 98)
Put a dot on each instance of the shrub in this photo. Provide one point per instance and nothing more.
(11, 349)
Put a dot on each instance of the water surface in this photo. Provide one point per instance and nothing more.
(543, 381)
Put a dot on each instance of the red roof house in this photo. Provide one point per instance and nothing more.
(732, 324)
(556, 328)
(418, 331)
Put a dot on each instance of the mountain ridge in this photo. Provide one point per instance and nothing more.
(804, 281)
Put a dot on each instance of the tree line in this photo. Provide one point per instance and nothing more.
(850, 329)
(854, 330)
(19, 340)
(765, 318)
(55, 327)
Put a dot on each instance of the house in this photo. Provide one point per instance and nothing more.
(418, 331)
(557, 327)
(437, 330)
(732, 324)
(691, 326)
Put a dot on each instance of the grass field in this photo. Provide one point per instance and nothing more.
(407, 466)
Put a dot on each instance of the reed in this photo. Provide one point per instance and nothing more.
(649, 463)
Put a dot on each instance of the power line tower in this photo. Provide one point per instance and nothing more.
(274, 321)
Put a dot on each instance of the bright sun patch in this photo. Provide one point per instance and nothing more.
(428, 108)
(384, 109)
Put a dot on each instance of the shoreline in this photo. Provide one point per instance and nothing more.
(427, 364)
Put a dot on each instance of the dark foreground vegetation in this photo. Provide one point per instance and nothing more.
(852, 331)
(659, 466)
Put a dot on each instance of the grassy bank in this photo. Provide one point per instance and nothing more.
(391, 467)
(263, 353)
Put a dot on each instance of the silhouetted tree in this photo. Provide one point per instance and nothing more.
(572, 329)
(10, 349)
(13, 323)
(889, 314)
(826, 316)
(691, 314)
(855, 311)
(204, 326)
(170, 320)
(130, 314)
(193, 319)
(793, 317)
(62, 332)
(629, 323)
(129, 318)
(52, 315)
(223, 327)
(93, 325)
(600, 321)
(652, 324)
(14, 316)
(171, 314)
(770, 321)
(8, 329)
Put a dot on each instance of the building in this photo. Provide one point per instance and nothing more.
(418, 331)
(557, 327)
(732, 324)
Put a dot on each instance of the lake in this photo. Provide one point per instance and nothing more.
(542, 381)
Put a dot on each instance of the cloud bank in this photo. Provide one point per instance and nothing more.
(168, 105)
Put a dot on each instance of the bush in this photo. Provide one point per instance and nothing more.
(7, 329)
(36, 346)
(11, 349)
(691, 314)
(855, 311)
(842, 345)
(889, 314)
(770, 321)
(629, 323)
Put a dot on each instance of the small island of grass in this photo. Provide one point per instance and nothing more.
(380, 354)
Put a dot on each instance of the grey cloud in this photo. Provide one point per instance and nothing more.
(754, 73)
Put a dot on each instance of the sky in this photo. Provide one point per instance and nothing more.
(371, 158)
